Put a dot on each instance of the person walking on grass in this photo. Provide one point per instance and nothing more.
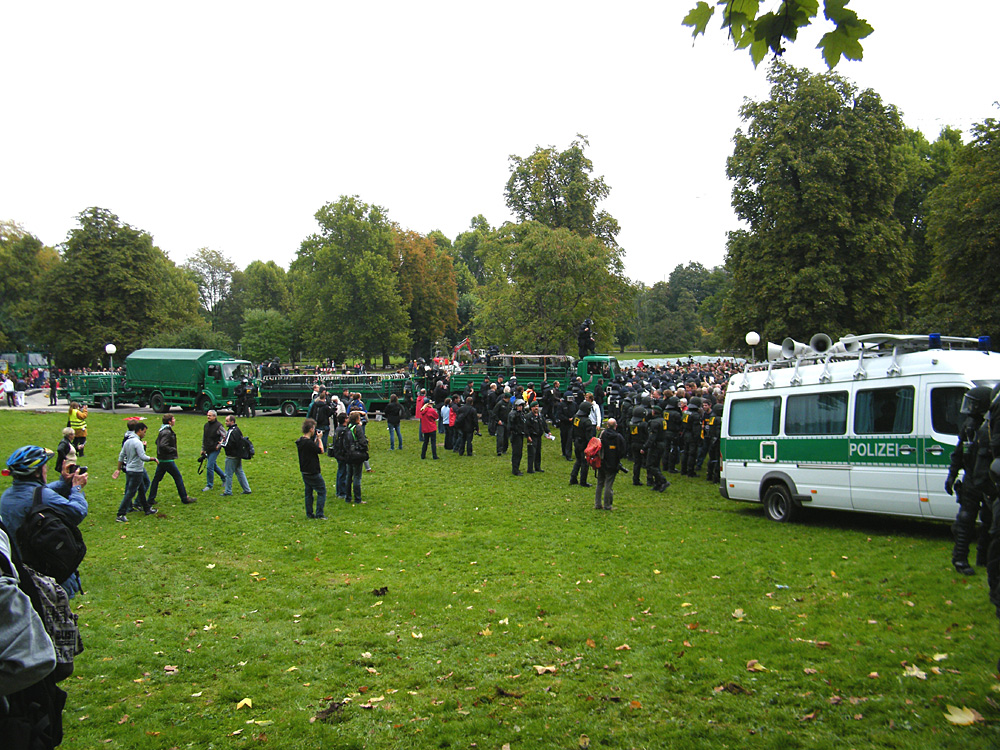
(211, 445)
(356, 447)
(232, 444)
(428, 429)
(310, 448)
(132, 459)
(166, 455)
(393, 413)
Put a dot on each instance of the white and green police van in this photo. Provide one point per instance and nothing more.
(867, 424)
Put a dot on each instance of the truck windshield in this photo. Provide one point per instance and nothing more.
(237, 370)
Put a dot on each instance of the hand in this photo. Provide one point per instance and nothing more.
(949, 485)
(80, 480)
(115, 474)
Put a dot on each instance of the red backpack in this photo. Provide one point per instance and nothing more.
(593, 452)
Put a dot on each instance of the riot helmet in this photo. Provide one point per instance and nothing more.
(976, 401)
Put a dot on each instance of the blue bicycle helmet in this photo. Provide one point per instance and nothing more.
(27, 460)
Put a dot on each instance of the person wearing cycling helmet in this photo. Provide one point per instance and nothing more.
(28, 467)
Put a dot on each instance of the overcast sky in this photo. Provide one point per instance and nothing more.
(227, 125)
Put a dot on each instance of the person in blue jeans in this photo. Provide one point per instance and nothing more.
(211, 447)
(132, 460)
(393, 413)
(310, 448)
(166, 460)
(355, 431)
(337, 451)
(232, 444)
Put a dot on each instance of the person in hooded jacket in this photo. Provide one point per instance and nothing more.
(166, 453)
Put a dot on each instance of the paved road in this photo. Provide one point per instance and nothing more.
(39, 401)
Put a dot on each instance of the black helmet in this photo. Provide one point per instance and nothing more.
(638, 413)
(695, 401)
(717, 410)
(976, 401)
(657, 411)
(584, 410)
(673, 402)
(647, 401)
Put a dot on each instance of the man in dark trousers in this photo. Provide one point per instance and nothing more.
(310, 448)
(517, 424)
(583, 431)
(466, 425)
(166, 453)
(612, 452)
(537, 427)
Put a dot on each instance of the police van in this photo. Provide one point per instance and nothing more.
(867, 424)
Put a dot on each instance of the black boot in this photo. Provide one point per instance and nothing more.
(960, 552)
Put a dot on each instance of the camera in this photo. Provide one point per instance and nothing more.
(78, 470)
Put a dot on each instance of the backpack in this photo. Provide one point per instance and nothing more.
(593, 452)
(48, 542)
(357, 447)
(50, 601)
(336, 445)
(248, 449)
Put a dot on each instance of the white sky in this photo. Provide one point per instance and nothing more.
(227, 125)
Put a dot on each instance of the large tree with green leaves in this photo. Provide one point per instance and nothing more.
(427, 288)
(265, 287)
(213, 273)
(112, 285)
(266, 334)
(348, 302)
(762, 32)
(555, 188)
(541, 282)
(816, 178)
(962, 296)
(23, 262)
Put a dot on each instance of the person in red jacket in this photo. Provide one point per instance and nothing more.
(428, 429)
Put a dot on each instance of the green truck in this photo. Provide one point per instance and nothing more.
(292, 394)
(537, 368)
(201, 379)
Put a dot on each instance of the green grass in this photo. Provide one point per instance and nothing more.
(488, 576)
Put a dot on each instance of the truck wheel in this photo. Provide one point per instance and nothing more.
(106, 403)
(157, 403)
(289, 409)
(204, 404)
(778, 504)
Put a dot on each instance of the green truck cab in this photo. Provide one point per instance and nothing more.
(201, 379)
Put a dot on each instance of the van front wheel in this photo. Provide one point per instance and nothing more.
(778, 503)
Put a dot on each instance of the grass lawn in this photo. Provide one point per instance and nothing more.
(463, 607)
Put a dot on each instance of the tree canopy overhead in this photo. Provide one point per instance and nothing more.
(760, 33)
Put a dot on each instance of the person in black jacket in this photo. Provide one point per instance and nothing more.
(232, 444)
(166, 454)
(321, 411)
(211, 445)
(517, 425)
(393, 413)
(564, 412)
(466, 425)
(583, 431)
(536, 428)
(310, 448)
(612, 452)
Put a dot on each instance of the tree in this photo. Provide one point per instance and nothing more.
(963, 230)
(468, 247)
(114, 285)
(213, 272)
(542, 282)
(556, 189)
(198, 335)
(427, 288)
(349, 302)
(266, 334)
(265, 287)
(762, 32)
(24, 260)
(816, 178)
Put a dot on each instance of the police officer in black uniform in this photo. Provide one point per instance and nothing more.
(691, 436)
(674, 418)
(969, 492)
(583, 431)
(536, 427)
(656, 440)
(518, 427)
(637, 433)
(713, 434)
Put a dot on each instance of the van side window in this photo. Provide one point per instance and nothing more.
(754, 416)
(816, 414)
(884, 411)
(945, 403)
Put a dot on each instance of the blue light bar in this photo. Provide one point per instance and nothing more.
(934, 341)
(984, 343)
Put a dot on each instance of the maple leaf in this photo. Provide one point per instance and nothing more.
(485, 631)
(963, 716)
(739, 614)
(913, 671)
(245, 702)
(755, 666)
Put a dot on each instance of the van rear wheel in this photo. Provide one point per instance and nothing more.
(778, 504)
(289, 409)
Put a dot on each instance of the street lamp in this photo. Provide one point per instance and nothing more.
(111, 349)
(752, 339)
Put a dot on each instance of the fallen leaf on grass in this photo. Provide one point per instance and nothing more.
(939, 657)
(809, 670)
(123, 719)
(261, 722)
(583, 744)
(732, 688)
(810, 716)
(635, 705)
(623, 647)
(873, 675)
(590, 643)
(539, 669)
(170, 669)
(963, 716)
(755, 666)
(245, 702)
(485, 631)
(196, 695)
(210, 566)
(913, 671)
(739, 614)
(416, 635)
